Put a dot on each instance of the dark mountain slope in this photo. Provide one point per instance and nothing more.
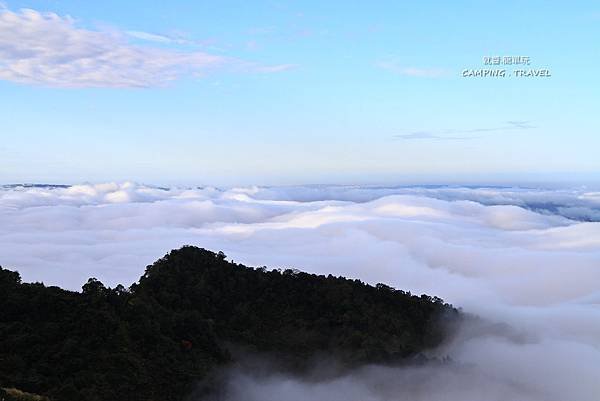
(184, 317)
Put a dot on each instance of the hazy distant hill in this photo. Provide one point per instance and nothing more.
(187, 316)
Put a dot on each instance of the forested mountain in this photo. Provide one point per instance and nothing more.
(187, 316)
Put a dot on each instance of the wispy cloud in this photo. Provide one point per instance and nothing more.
(152, 37)
(275, 68)
(397, 68)
(429, 135)
(463, 134)
(175, 38)
(519, 125)
(51, 50)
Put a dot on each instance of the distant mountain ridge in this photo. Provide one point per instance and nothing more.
(185, 318)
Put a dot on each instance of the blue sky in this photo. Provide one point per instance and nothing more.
(228, 93)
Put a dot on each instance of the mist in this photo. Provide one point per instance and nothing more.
(377, 383)
(525, 261)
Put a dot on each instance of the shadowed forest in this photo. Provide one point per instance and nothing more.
(189, 315)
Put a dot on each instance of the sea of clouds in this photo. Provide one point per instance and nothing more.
(525, 260)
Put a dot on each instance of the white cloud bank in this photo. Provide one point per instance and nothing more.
(478, 248)
(51, 50)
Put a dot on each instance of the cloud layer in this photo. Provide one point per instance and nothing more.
(527, 261)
